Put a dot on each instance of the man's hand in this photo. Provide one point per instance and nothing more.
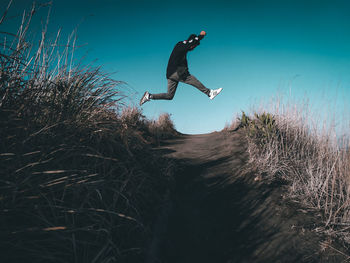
(203, 33)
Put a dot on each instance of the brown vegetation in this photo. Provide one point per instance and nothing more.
(79, 181)
(288, 145)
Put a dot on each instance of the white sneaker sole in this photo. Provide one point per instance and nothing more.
(143, 100)
(218, 91)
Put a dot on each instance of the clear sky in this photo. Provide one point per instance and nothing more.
(254, 49)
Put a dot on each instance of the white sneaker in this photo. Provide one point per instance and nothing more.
(145, 98)
(214, 92)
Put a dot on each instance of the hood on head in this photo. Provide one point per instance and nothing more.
(190, 39)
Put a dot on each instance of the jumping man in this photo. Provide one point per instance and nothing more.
(177, 71)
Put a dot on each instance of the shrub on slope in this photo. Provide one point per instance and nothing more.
(284, 146)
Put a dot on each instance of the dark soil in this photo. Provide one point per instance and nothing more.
(218, 211)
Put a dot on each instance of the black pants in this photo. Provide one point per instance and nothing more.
(174, 80)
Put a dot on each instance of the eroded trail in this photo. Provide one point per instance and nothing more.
(219, 213)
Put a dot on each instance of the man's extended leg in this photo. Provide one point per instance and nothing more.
(192, 80)
(172, 85)
(173, 81)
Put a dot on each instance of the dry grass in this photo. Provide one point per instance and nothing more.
(291, 144)
(78, 179)
(163, 127)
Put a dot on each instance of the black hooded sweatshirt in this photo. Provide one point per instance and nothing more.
(178, 61)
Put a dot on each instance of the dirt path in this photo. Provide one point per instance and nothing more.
(219, 213)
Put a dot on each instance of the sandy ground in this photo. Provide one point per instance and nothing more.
(217, 211)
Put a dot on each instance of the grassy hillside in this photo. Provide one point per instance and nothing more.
(289, 145)
(79, 181)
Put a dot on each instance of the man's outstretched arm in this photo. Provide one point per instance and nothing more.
(195, 41)
(202, 34)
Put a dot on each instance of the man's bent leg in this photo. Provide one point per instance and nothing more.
(192, 80)
(172, 85)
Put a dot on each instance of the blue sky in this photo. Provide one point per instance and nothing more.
(254, 49)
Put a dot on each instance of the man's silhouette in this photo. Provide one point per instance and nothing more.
(177, 71)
